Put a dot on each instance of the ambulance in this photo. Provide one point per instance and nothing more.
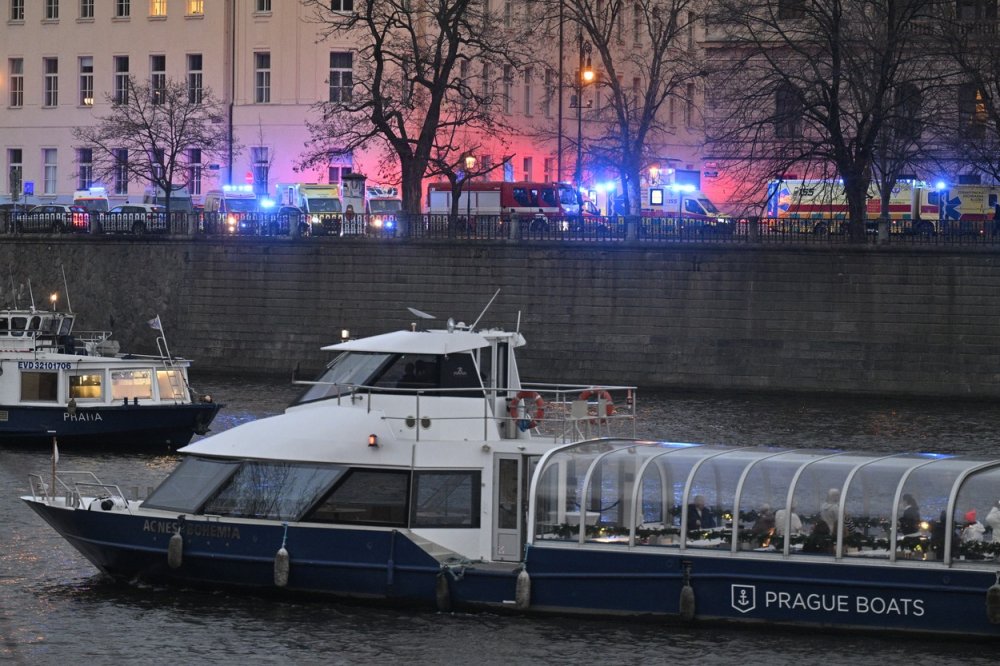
(914, 206)
(675, 200)
(93, 199)
(320, 203)
(234, 209)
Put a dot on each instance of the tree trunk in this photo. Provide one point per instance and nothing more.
(856, 191)
(412, 176)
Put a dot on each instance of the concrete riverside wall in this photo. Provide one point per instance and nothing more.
(829, 319)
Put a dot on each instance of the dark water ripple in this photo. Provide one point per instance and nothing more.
(54, 609)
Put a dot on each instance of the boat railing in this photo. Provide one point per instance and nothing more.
(563, 412)
(70, 482)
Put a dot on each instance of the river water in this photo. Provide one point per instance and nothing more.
(55, 608)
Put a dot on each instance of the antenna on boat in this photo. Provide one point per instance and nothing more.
(69, 308)
(32, 294)
(517, 329)
(473, 326)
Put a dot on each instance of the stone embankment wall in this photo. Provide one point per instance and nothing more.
(918, 321)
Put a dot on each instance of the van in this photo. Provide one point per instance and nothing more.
(93, 200)
(234, 209)
(180, 199)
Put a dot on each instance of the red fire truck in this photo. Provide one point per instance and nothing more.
(541, 202)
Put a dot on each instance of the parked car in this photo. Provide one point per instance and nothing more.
(54, 218)
(135, 219)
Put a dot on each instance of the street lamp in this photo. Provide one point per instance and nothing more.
(585, 76)
(470, 164)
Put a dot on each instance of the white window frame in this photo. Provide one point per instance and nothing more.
(51, 10)
(262, 77)
(508, 89)
(121, 80)
(158, 77)
(195, 78)
(86, 81)
(85, 168)
(16, 10)
(341, 81)
(529, 76)
(195, 170)
(86, 9)
(121, 176)
(50, 69)
(262, 7)
(50, 170)
(342, 5)
(195, 8)
(15, 72)
(158, 8)
(123, 9)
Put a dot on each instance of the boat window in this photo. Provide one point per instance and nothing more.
(272, 490)
(713, 487)
(39, 386)
(34, 323)
(977, 517)
(868, 508)
(66, 326)
(344, 372)
(4, 325)
(129, 384)
(767, 483)
(409, 371)
(458, 371)
(171, 385)
(372, 497)
(191, 484)
(85, 387)
(446, 499)
(923, 508)
(17, 325)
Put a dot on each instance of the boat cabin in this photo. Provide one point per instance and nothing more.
(787, 503)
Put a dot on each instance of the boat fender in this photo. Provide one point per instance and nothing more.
(522, 590)
(687, 602)
(993, 601)
(175, 548)
(281, 563)
(531, 419)
(442, 593)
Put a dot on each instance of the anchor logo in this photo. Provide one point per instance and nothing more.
(744, 598)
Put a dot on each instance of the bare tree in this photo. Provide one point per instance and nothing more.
(156, 127)
(642, 50)
(811, 85)
(969, 43)
(410, 84)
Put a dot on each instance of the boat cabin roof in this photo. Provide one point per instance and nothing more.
(645, 493)
(437, 342)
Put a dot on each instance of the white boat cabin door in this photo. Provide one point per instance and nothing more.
(511, 476)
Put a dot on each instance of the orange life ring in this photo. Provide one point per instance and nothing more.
(609, 405)
(532, 419)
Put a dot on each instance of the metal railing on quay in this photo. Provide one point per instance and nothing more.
(508, 228)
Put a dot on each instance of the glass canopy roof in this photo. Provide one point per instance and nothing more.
(802, 502)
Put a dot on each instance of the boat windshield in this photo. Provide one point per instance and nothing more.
(452, 374)
(348, 370)
(269, 489)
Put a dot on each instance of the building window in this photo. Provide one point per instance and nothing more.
(196, 7)
(157, 7)
(341, 77)
(529, 76)
(16, 72)
(976, 10)
(689, 106)
(194, 78)
(51, 68)
(791, 9)
(51, 10)
(262, 77)
(335, 172)
(86, 81)
(637, 23)
(16, 10)
(86, 9)
(85, 171)
(194, 171)
(158, 78)
(342, 5)
(550, 92)
(487, 73)
(636, 85)
(672, 111)
(508, 88)
(508, 14)
(263, 6)
(787, 112)
(528, 165)
(123, 8)
(49, 162)
(158, 167)
(121, 79)
(261, 163)
(15, 171)
(121, 171)
(550, 175)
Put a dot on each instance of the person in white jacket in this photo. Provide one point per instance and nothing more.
(993, 521)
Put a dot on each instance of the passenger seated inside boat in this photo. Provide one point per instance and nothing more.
(820, 540)
(909, 521)
(795, 526)
(699, 517)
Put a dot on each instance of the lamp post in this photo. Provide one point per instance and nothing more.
(584, 76)
(470, 164)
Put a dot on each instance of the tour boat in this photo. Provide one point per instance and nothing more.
(419, 469)
(77, 387)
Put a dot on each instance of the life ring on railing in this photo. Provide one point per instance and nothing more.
(532, 418)
(609, 405)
